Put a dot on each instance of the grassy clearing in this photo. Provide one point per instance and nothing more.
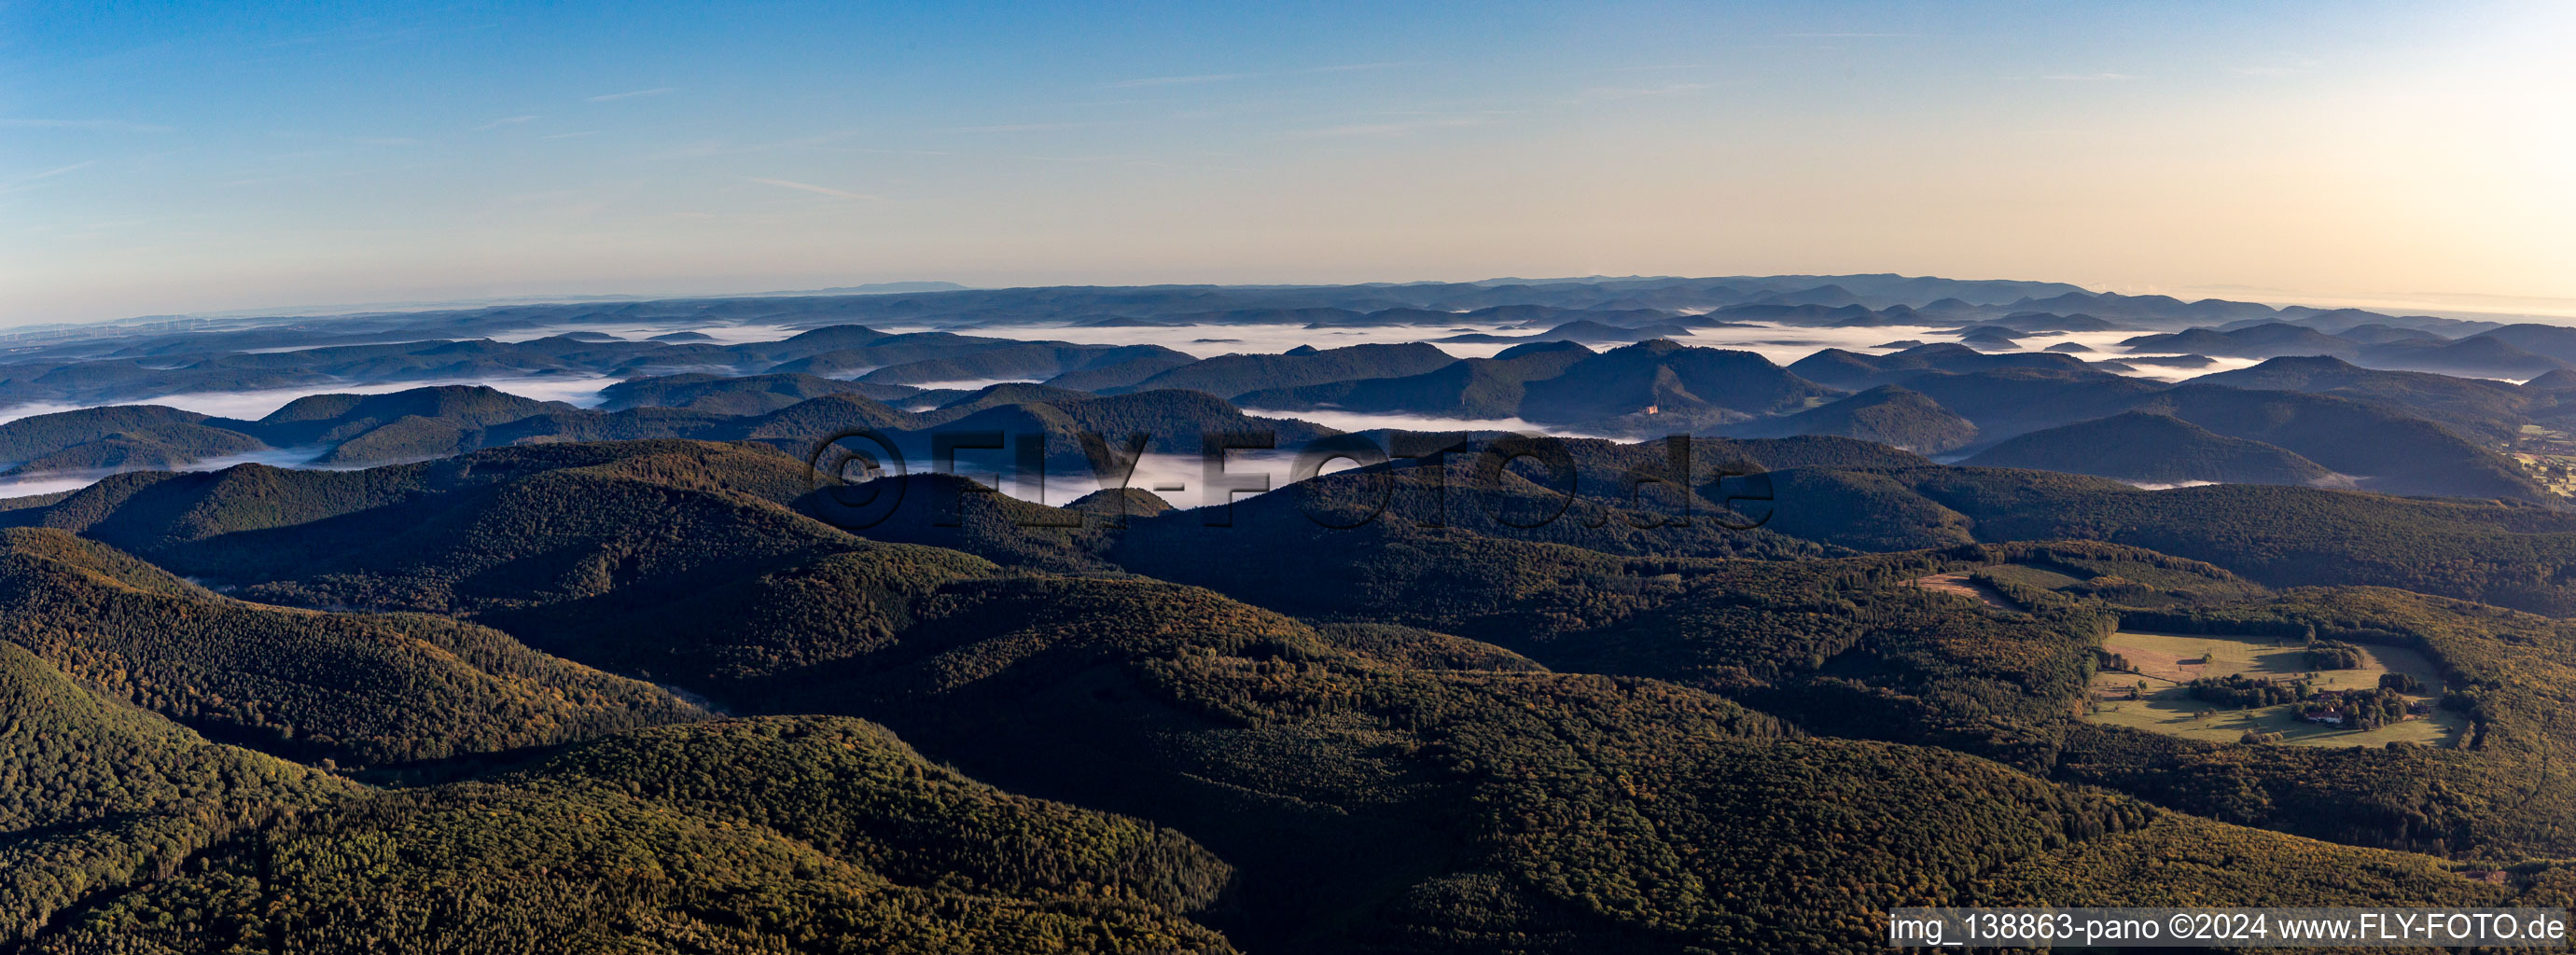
(2166, 661)
(2553, 466)
(1959, 585)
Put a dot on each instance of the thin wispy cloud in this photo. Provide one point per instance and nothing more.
(347, 140)
(630, 94)
(112, 125)
(2302, 66)
(1391, 129)
(1668, 89)
(810, 187)
(2090, 77)
(1019, 128)
(59, 170)
(508, 121)
(241, 180)
(877, 151)
(1451, 113)
(1356, 129)
(1229, 77)
(705, 148)
(13, 185)
(1180, 80)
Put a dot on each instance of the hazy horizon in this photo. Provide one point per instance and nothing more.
(2462, 306)
(170, 160)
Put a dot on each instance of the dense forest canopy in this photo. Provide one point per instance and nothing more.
(1772, 647)
(1277, 736)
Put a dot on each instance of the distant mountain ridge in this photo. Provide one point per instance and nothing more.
(1935, 398)
(903, 361)
(1849, 299)
(2146, 446)
(1747, 654)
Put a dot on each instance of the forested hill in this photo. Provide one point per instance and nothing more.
(658, 843)
(2298, 420)
(1819, 496)
(351, 689)
(1273, 737)
(125, 831)
(2498, 553)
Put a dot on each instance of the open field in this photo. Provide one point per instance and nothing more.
(2549, 458)
(2166, 661)
(1960, 585)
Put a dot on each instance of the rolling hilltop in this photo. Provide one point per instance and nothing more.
(2427, 434)
(1819, 633)
(2143, 446)
(1301, 785)
(1636, 357)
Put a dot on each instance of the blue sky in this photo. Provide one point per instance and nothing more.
(163, 158)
